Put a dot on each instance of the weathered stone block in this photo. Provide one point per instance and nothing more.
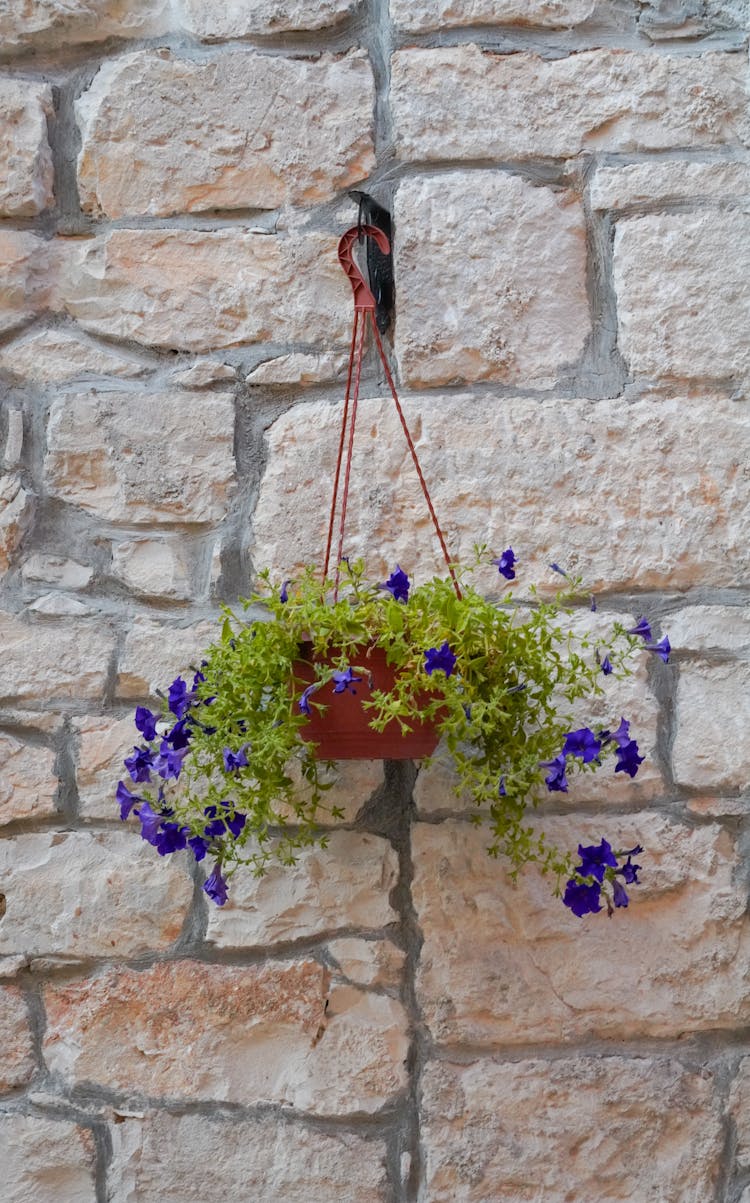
(56, 570)
(28, 267)
(369, 962)
(346, 885)
(502, 965)
(665, 269)
(298, 368)
(516, 310)
(154, 654)
(244, 18)
(46, 661)
(421, 15)
(164, 1156)
(204, 373)
(668, 182)
(28, 782)
(690, 18)
(155, 567)
(461, 102)
(351, 784)
(259, 1033)
(739, 1106)
(712, 742)
(56, 356)
(199, 290)
(51, 24)
(126, 458)
(243, 131)
(545, 477)
(616, 1128)
(17, 1063)
(715, 629)
(102, 745)
(16, 511)
(46, 1159)
(76, 894)
(25, 155)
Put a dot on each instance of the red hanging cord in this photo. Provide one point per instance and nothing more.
(364, 303)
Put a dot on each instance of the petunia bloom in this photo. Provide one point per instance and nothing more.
(179, 698)
(150, 823)
(398, 584)
(284, 592)
(439, 660)
(171, 838)
(505, 564)
(628, 759)
(620, 894)
(126, 800)
(216, 887)
(582, 743)
(606, 666)
(642, 628)
(662, 649)
(145, 722)
(344, 680)
(556, 780)
(595, 858)
(234, 761)
(582, 899)
(630, 871)
(560, 571)
(139, 765)
(199, 846)
(304, 701)
(168, 763)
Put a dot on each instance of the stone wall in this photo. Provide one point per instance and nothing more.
(393, 1020)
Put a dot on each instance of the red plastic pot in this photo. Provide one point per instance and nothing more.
(343, 731)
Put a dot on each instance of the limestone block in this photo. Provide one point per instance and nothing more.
(345, 885)
(298, 368)
(619, 1129)
(368, 962)
(13, 438)
(102, 745)
(51, 24)
(25, 155)
(257, 1033)
(713, 629)
(461, 102)
(28, 782)
(46, 1159)
(155, 567)
(129, 458)
(154, 654)
(421, 15)
(502, 965)
(58, 605)
(200, 290)
(80, 894)
(545, 477)
(712, 742)
(204, 373)
(351, 783)
(665, 268)
(28, 270)
(243, 18)
(669, 182)
(164, 1156)
(48, 661)
(691, 18)
(56, 356)
(512, 309)
(739, 1105)
(16, 512)
(244, 131)
(17, 1063)
(56, 570)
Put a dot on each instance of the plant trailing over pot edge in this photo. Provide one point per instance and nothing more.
(497, 682)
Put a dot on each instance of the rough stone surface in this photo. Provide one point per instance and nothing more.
(419, 15)
(502, 965)
(463, 103)
(56, 570)
(45, 24)
(25, 156)
(163, 1156)
(715, 629)
(259, 1033)
(346, 885)
(58, 605)
(351, 783)
(712, 742)
(56, 356)
(154, 654)
(169, 459)
(16, 511)
(156, 567)
(17, 1063)
(79, 894)
(506, 1133)
(13, 438)
(204, 373)
(45, 662)
(739, 1105)
(241, 131)
(102, 745)
(685, 18)
(516, 310)
(368, 962)
(298, 369)
(542, 476)
(28, 268)
(28, 782)
(198, 290)
(664, 183)
(243, 18)
(664, 269)
(45, 1159)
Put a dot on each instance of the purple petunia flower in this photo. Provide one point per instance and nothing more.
(620, 737)
(628, 759)
(593, 604)
(505, 564)
(501, 790)
(595, 858)
(439, 660)
(234, 761)
(556, 780)
(642, 628)
(398, 584)
(126, 800)
(215, 827)
(216, 887)
(145, 722)
(171, 838)
(284, 592)
(199, 846)
(620, 894)
(582, 899)
(662, 648)
(304, 702)
(582, 743)
(235, 822)
(168, 763)
(150, 823)
(344, 680)
(139, 765)
(560, 571)
(180, 698)
(179, 736)
(606, 666)
(630, 871)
